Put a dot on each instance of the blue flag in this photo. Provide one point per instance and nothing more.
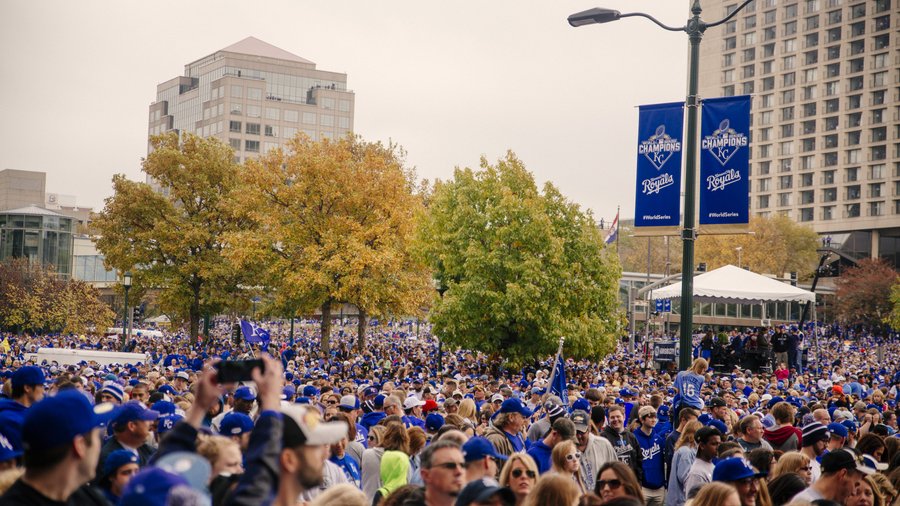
(658, 185)
(254, 334)
(558, 387)
(725, 165)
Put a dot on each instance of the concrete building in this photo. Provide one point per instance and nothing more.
(22, 188)
(255, 97)
(39, 235)
(825, 81)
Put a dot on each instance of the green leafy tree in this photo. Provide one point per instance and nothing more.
(333, 223)
(172, 239)
(33, 298)
(864, 292)
(517, 268)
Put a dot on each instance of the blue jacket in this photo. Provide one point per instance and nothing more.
(652, 459)
(12, 417)
(542, 454)
(369, 420)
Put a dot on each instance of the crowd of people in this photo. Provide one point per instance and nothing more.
(397, 424)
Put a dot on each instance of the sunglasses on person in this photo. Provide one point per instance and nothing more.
(573, 456)
(331, 402)
(613, 484)
(517, 473)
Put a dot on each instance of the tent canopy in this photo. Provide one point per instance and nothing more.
(736, 285)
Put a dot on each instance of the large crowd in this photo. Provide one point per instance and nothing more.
(397, 424)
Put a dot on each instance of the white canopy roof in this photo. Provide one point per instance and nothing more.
(733, 284)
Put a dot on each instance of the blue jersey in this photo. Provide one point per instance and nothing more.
(689, 385)
(651, 459)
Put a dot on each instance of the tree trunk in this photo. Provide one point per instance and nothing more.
(361, 330)
(326, 326)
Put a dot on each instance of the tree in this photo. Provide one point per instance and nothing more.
(633, 252)
(517, 268)
(33, 298)
(172, 239)
(894, 320)
(864, 293)
(776, 245)
(333, 222)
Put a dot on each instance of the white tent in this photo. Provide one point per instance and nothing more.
(736, 285)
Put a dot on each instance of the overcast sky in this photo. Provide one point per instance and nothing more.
(449, 81)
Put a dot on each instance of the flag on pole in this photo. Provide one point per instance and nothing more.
(254, 334)
(613, 231)
(558, 385)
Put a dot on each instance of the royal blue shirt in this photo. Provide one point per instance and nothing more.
(652, 459)
(542, 454)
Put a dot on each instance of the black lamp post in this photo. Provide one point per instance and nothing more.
(694, 29)
(126, 284)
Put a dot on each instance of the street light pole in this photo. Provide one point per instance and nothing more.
(694, 28)
(126, 284)
(739, 249)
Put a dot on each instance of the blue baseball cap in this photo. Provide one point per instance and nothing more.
(513, 405)
(28, 375)
(164, 407)
(850, 425)
(151, 486)
(56, 420)
(477, 448)
(434, 421)
(235, 424)
(838, 429)
(166, 389)
(288, 392)
(244, 394)
(310, 391)
(133, 411)
(167, 423)
(117, 459)
(720, 425)
(734, 469)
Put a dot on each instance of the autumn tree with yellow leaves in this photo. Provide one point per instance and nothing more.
(33, 298)
(331, 223)
(171, 240)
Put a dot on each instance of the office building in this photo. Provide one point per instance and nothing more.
(253, 96)
(21, 188)
(825, 81)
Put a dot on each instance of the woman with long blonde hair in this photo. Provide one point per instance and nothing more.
(566, 460)
(793, 462)
(717, 494)
(519, 474)
(682, 460)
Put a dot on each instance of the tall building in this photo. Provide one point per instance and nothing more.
(825, 81)
(21, 188)
(253, 96)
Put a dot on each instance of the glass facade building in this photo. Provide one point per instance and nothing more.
(39, 235)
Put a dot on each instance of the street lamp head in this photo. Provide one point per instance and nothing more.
(126, 280)
(593, 16)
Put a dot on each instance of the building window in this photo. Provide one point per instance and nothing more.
(857, 11)
(852, 210)
(852, 192)
(785, 164)
(828, 177)
(272, 113)
(827, 213)
(235, 109)
(808, 162)
(876, 208)
(730, 43)
(806, 214)
(235, 144)
(254, 93)
(876, 190)
(271, 131)
(858, 29)
(853, 138)
(852, 174)
(809, 127)
(785, 182)
(234, 126)
(237, 91)
(811, 58)
(254, 111)
(309, 118)
(834, 17)
(253, 129)
(785, 199)
(806, 179)
(769, 17)
(882, 23)
(790, 28)
(749, 54)
(728, 60)
(291, 116)
(763, 185)
(762, 202)
(812, 22)
(251, 146)
(829, 194)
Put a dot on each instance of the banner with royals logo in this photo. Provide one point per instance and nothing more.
(658, 192)
(725, 165)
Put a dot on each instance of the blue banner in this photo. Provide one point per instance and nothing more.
(658, 193)
(558, 387)
(663, 305)
(725, 164)
(254, 334)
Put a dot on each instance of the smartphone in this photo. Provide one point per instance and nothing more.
(233, 371)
